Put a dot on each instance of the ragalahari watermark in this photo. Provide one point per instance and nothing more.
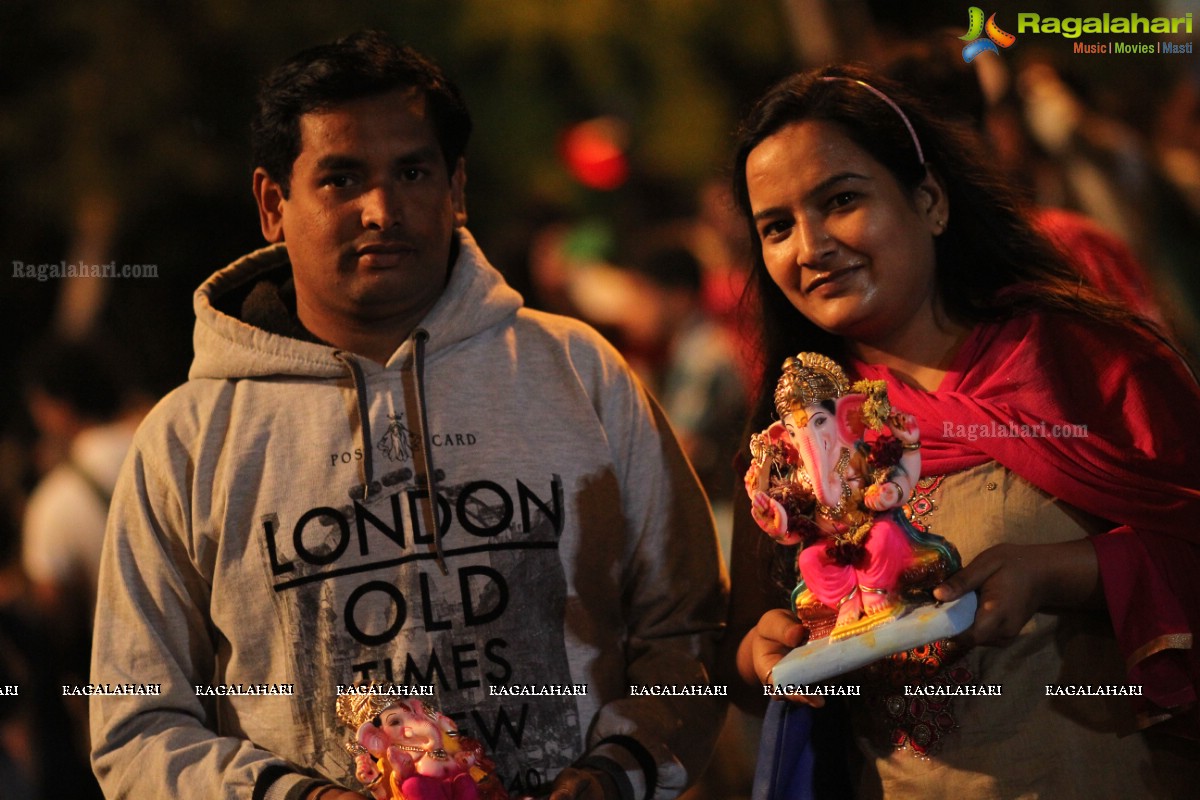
(1012, 430)
(73, 269)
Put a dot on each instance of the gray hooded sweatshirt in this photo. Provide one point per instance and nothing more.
(272, 531)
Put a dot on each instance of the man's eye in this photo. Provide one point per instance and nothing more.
(842, 199)
(412, 173)
(338, 181)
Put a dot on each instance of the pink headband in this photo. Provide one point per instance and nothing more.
(904, 117)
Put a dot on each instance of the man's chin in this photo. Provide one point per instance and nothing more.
(385, 294)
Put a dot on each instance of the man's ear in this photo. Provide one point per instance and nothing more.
(458, 192)
(932, 202)
(269, 196)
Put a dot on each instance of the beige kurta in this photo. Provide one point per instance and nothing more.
(1024, 743)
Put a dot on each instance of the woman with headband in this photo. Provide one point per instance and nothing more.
(1060, 438)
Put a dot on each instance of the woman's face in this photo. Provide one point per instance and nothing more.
(849, 247)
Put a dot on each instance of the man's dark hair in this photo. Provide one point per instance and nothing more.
(363, 64)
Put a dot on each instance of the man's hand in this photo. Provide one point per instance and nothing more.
(575, 783)
(333, 793)
(1016, 581)
(776, 634)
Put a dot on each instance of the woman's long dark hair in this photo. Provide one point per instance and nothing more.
(991, 264)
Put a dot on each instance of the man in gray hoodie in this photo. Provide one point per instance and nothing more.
(273, 540)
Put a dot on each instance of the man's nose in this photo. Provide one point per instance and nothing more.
(381, 207)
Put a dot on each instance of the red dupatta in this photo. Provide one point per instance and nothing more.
(1133, 457)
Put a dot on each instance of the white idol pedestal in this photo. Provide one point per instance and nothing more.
(914, 626)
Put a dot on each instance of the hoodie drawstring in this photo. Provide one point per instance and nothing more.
(419, 339)
(367, 465)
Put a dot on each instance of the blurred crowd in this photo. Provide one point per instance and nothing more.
(668, 291)
(80, 411)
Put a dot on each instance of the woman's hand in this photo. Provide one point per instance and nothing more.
(1016, 581)
(776, 634)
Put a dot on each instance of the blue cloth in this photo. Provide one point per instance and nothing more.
(785, 754)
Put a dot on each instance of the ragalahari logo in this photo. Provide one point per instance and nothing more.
(995, 36)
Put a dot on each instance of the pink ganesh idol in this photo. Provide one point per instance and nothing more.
(833, 475)
(408, 750)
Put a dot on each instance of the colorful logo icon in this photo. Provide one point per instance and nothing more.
(995, 36)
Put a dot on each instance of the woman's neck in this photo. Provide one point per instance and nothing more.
(920, 358)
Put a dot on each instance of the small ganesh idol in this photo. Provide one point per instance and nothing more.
(833, 475)
(405, 749)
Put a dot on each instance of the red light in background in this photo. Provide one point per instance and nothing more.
(594, 152)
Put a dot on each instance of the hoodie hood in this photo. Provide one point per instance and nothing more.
(475, 298)
(231, 347)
